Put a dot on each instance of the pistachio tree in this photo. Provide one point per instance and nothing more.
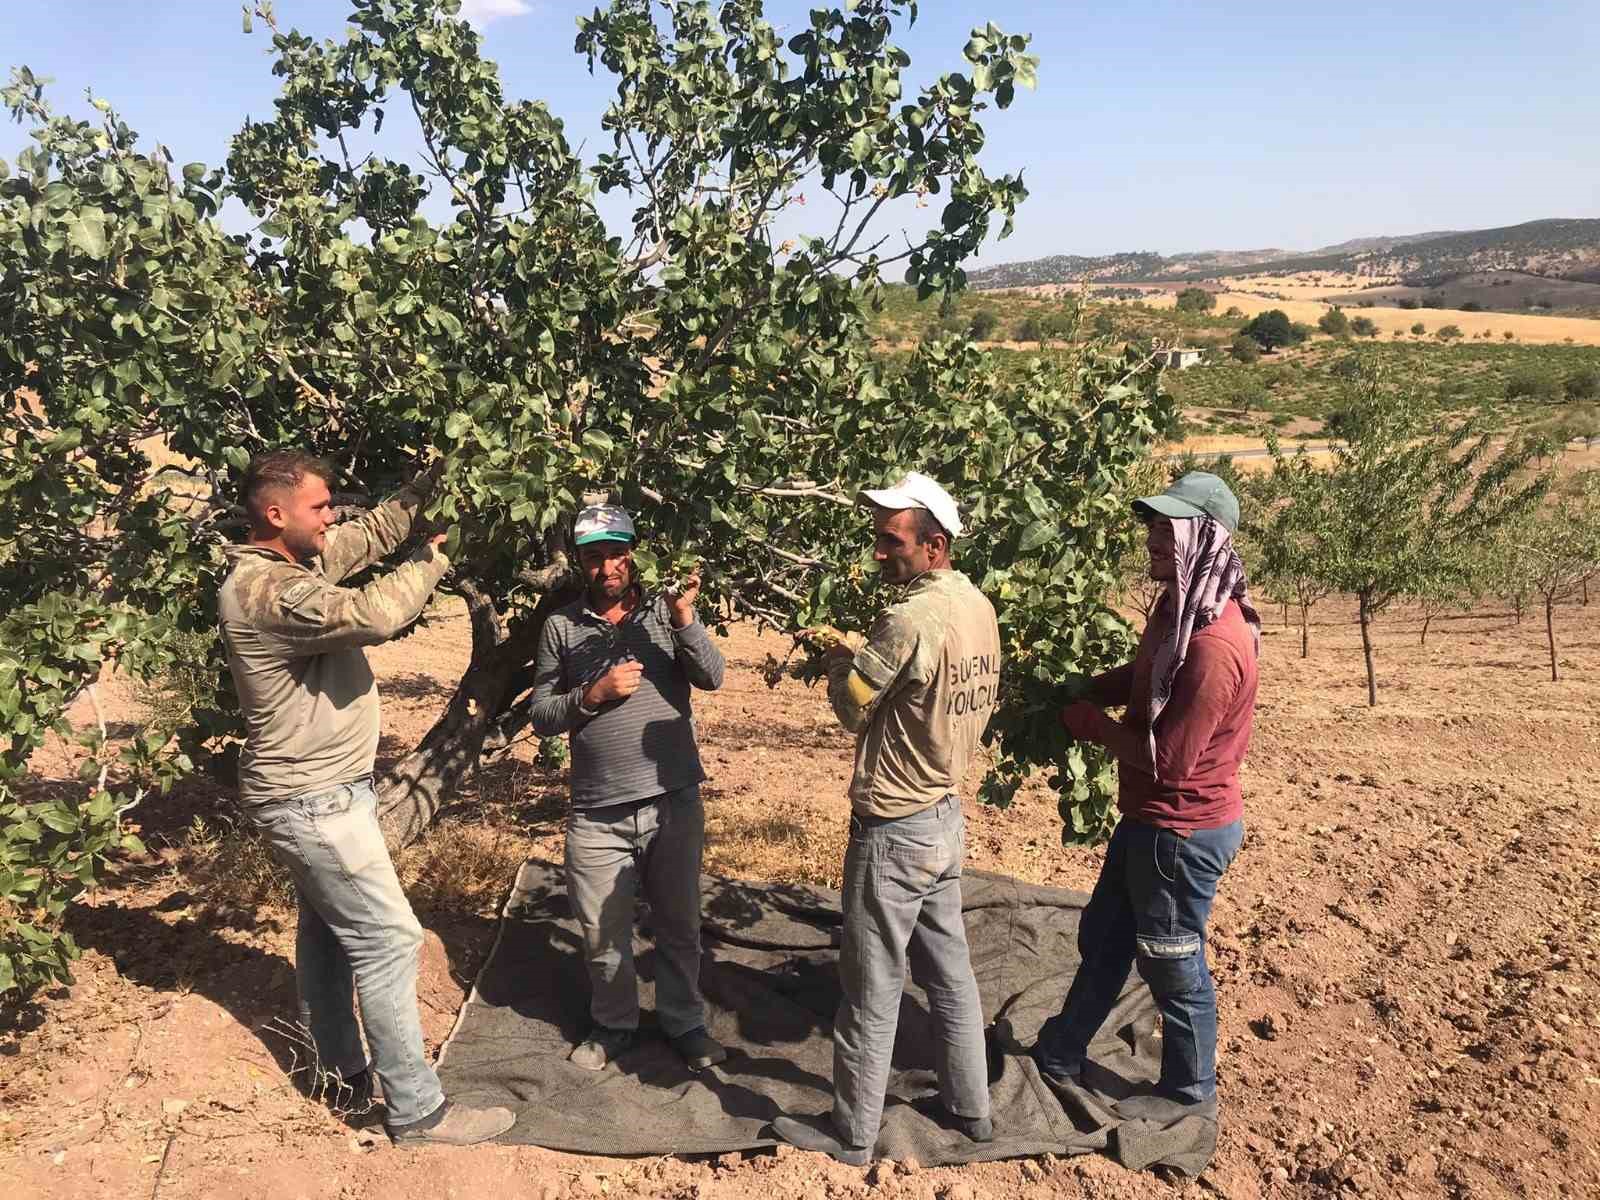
(707, 363)
(1402, 489)
(1559, 549)
(1292, 534)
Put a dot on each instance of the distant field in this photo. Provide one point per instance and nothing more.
(1501, 291)
(1294, 390)
(1534, 330)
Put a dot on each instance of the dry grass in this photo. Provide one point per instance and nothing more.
(463, 866)
(227, 864)
(744, 843)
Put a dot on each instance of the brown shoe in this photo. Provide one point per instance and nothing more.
(459, 1126)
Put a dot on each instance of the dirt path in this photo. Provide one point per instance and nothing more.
(1406, 950)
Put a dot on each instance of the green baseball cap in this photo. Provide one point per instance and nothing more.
(603, 523)
(1196, 494)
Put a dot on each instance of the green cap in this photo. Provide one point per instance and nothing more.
(1197, 494)
(603, 523)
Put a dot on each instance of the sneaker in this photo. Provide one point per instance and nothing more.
(818, 1133)
(601, 1047)
(699, 1049)
(1164, 1110)
(457, 1126)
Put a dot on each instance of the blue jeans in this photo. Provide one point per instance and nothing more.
(357, 938)
(613, 853)
(902, 905)
(1150, 906)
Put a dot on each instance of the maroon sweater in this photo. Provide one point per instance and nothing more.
(1201, 735)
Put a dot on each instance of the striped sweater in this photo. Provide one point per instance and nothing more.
(640, 746)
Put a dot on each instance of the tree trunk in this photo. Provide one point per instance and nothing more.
(1286, 614)
(1366, 649)
(1550, 633)
(1427, 619)
(411, 793)
(1305, 630)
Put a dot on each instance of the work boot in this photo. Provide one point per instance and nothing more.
(455, 1125)
(350, 1098)
(820, 1134)
(601, 1047)
(1055, 1071)
(699, 1049)
(1164, 1110)
(977, 1129)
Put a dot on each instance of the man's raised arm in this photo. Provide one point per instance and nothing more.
(354, 545)
(309, 615)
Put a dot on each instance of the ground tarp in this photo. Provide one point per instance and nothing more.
(771, 986)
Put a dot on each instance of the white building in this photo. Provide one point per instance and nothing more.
(1180, 358)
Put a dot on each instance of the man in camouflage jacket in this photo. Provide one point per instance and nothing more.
(295, 639)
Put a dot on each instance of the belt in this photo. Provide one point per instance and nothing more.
(860, 823)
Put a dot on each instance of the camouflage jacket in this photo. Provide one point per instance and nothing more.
(294, 639)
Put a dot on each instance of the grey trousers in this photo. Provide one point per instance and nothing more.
(902, 900)
(613, 852)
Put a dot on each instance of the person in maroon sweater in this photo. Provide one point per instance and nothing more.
(1189, 701)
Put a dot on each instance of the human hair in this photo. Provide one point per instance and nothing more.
(274, 472)
(928, 527)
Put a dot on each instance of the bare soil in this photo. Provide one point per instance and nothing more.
(1407, 950)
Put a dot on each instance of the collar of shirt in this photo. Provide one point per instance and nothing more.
(927, 580)
(245, 550)
(646, 604)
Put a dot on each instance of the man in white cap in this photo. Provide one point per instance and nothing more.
(614, 672)
(917, 692)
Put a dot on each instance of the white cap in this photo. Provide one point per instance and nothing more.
(916, 490)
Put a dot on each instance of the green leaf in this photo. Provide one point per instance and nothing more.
(456, 424)
(598, 440)
(60, 820)
(1036, 535)
(87, 231)
(64, 442)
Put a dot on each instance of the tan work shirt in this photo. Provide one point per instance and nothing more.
(919, 695)
(294, 640)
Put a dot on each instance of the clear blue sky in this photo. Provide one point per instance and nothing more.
(1159, 126)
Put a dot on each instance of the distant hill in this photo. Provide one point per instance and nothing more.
(1361, 245)
(1559, 248)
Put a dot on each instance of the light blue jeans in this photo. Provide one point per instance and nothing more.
(902, 903)
(357, 938)
(613, 853)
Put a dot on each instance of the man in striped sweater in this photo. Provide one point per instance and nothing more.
(614, 672)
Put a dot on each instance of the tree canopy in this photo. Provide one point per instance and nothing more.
(1272, 329)
(472, 308)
